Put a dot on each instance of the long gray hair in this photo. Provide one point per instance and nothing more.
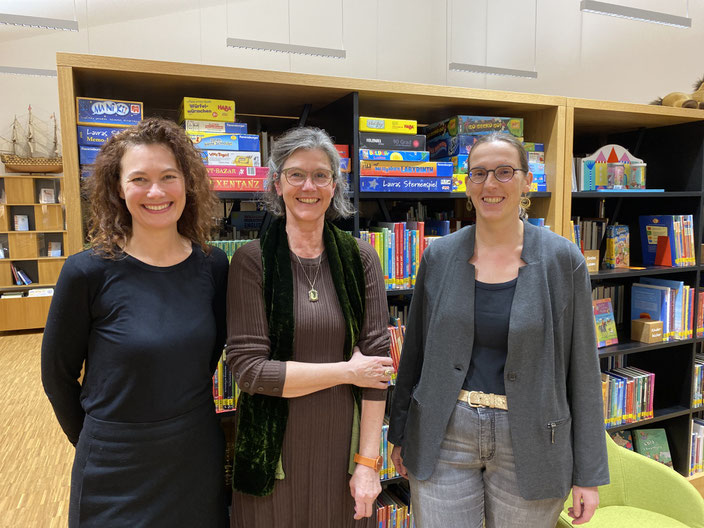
(306, 138)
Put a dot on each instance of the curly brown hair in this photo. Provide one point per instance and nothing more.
(110, 223)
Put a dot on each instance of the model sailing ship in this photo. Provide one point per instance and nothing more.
(33, 150)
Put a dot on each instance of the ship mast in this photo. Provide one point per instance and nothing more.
(56, 140)
(30, 132)
(15, 124)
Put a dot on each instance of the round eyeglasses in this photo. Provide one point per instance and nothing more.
(297, 177)
(503, 173)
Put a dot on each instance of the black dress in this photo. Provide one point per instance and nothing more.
(149, 449)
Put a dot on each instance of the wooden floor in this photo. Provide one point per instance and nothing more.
(35, 456)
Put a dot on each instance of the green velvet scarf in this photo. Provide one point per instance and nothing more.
(261, 420)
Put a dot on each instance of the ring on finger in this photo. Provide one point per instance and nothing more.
(388, 371)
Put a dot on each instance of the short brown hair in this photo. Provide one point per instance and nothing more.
(110, 223)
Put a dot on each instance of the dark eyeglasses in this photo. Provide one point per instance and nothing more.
(503, 173)
(297, 177)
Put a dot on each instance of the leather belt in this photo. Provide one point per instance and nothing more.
(481, 399)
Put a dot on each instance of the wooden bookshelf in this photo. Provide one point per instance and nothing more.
(670, 140)
(32, 217)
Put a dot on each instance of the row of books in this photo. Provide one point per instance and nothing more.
(228, 246)
(35, 292)
(651, 443)
(19, 276)
(398, 332)
(393, 507)
(628, 394)
(400, 247)
(615, 293)
(667, 240)
(588, 234)
(225, 390)
(696, 461)
(388, 470)
(698, 396)
(669, 301)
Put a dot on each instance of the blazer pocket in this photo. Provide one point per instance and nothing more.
(559, 430)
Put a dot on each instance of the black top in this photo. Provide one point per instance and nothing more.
(150, 337)
(492, 312)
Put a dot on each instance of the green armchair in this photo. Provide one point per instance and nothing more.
(643, 494)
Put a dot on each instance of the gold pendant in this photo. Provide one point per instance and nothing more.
(313, 295)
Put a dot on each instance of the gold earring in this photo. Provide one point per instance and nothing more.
(468, 205)
(525, 202)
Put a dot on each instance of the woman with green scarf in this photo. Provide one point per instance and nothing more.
(308, 345)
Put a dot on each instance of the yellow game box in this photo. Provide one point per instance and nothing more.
(206, 109)
(392, 126)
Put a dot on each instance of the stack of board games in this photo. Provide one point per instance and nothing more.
(231, 156)
(98, 120)
(452, 138)
(392, 158)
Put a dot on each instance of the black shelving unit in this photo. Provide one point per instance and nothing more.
(674, 155)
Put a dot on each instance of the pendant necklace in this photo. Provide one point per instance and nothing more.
(312, 293)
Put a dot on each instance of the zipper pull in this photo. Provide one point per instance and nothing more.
(552, 426)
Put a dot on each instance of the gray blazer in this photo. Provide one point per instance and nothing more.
(552, 370)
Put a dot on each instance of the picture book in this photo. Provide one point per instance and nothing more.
(653, 444)
(604, 321)
(617, 247)
(657, 236)
(623, 438)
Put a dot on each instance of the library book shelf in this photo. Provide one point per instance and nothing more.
(33, 239)
(671, 140)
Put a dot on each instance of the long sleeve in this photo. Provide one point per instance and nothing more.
(411, 356)
(584, 389)
(65, 346)
(248, 345)
(374, 336)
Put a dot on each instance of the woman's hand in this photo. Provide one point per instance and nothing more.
(373, 372)
(584, 503)
(364, 487)
(398, 462)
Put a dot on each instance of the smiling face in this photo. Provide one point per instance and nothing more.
(153, 187)
(307, 203)
(493, 200)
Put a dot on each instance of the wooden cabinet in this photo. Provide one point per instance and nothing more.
(33, 241)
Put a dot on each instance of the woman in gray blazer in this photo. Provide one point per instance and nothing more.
(497, 409)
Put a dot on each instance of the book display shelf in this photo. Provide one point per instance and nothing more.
(670, 140)
(33, 239)
(672, 144)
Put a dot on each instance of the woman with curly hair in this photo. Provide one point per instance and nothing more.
(144, 310)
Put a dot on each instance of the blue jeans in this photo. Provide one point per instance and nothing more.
(475, 479)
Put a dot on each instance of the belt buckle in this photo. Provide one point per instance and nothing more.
(469, 399)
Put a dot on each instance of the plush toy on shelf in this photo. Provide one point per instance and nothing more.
(684, 100)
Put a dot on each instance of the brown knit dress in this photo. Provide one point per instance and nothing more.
(316, 448)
